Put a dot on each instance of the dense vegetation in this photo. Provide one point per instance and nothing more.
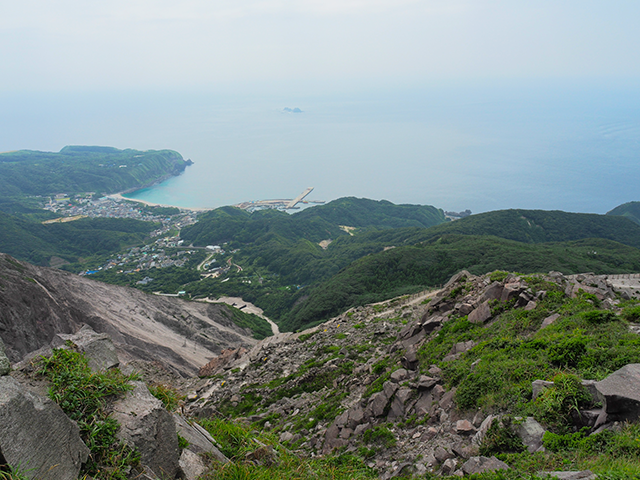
(412, 268)
(630, 210)
(78, 169)
(298, 283)
(37, 243)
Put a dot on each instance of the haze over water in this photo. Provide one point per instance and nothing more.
(454, 147)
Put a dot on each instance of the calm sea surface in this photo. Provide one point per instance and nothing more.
(456, 147)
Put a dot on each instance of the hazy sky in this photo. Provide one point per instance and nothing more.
(115, 44)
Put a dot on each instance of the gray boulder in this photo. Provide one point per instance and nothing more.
(146, 425)
(5, 365)
(97, 347)
(481, 314)
(530, 432)
(191, 465)
(36, 435)
(621, 391)
(483, 464)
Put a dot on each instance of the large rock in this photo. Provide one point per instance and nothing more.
(621, 391)
(37, 436)
(146, 425)
(531, 432)
(481, 314)
(483, 464)
(98, 348)
(5, 364)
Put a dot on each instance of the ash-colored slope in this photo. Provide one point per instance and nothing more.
(36, 303)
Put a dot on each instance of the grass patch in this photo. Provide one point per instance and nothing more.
(83, 395)
(236, 441)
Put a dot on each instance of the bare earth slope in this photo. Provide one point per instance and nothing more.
(37, 302)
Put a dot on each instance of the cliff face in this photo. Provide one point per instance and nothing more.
(37, 302)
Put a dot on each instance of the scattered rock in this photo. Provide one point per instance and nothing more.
(265, 455)
(549, 320)
(538, 386)
(464, 427)
(530, 432)
(191, 465)
(218, 364)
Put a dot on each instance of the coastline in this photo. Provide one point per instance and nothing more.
(118, 197)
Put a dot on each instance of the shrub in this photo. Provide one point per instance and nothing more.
(501, 437)
(568, 352)
(599, 316)
(380, 435)
(498, 276)
(631, 314)
(555, 405)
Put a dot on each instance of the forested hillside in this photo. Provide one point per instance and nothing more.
(37, 243)
(84, 169)
(299, 283)
(410, 269)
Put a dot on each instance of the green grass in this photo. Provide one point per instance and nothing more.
(512, 351)
(237, 440)
(169, 396)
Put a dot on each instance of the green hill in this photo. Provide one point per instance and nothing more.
(410, 269)
(37, 243)
(539, 226)
(78, 169)
(298, 283)
(630, 210)
(365, 213)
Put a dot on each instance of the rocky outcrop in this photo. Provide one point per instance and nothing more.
(97, 347)
(148, 427)
(198, 439)
(217, 364)
(621, 391)
(37, 436)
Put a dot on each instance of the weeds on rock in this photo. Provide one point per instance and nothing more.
(82, 395)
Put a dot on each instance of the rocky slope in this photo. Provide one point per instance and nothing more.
(530, 374)
(391, 382)
(36, 303)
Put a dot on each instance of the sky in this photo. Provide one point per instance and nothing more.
(91, 45)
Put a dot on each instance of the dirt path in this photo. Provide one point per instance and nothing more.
(248, 307)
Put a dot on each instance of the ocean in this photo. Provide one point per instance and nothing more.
(539, 145)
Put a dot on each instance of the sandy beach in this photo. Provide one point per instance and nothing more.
(118, 197)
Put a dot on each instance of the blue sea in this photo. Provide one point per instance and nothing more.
(540, 145)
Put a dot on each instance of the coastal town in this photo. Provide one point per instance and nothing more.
(166, 250)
